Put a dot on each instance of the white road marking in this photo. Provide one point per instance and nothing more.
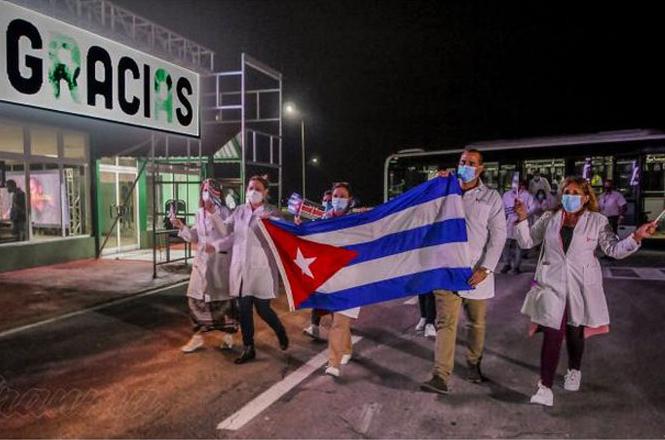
(411, 301)
(23, 328)
(368, 412)
(264, 400)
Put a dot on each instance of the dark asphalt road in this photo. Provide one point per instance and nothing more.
(118, 372)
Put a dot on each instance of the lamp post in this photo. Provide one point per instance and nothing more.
(291, 111)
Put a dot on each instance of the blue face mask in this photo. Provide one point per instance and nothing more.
(571, 203)
(339, 203)
(327, 205)
(466, 173)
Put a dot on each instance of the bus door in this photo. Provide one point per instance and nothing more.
(653, 188)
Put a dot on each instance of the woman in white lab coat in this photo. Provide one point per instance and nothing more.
(210, 305)
(339, 337)
(253, 276)
(567, 298)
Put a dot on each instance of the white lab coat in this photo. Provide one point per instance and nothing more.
(252, 267)
(575, 277)
(210, 272)
(486, 233)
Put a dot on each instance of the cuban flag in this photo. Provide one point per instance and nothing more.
(411, 245)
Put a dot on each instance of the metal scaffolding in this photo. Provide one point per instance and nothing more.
(120, 24)
(245, 108)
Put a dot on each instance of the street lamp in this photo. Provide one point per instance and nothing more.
(292, 112)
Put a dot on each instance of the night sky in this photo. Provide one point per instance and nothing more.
(374, 77)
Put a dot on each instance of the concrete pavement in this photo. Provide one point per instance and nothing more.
(117, 372)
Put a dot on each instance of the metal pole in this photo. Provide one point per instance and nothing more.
(302, 145)
(154, 206)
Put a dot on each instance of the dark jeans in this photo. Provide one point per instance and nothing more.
(614, 223)
(552, 340)
(247, 304)
(512, 254)
(427, 307)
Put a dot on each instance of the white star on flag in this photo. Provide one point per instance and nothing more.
(304, 263)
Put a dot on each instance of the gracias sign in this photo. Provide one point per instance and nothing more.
(50, 64)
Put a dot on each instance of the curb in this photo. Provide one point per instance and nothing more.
(92, 308)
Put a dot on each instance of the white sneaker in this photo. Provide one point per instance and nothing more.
(345, 359)
(572, 380)
(194, 344)
(430, 331)
(543, 396)
(312, 330)
(332, 371)
(228, 342)
(421, 325)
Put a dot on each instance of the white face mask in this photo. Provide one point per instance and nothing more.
(339, 203)
(205, 196)
(254, 197)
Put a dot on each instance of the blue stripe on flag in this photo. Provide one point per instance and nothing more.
(454, 279)
(426, 192)
(447, 231)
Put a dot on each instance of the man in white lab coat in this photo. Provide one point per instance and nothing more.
(486, 231)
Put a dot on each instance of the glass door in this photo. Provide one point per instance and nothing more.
(108, 203)
(118, 199)
(128, 223)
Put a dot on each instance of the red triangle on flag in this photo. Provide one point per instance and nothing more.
(306, 265)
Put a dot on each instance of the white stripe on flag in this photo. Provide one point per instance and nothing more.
(416, 216)
(451, 255)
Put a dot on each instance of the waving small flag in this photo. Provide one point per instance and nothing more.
(304, 208)
(410, 245)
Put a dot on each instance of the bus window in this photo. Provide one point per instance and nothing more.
(551, 169)
(628, 186)
(491, 175)
(602, 168)
(506, 172)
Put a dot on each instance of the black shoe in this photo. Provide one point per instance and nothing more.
(435, 385)
(248, 354)
(474, 375)
(283, 341)
(505, 269)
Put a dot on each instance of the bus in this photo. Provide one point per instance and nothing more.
(633, 159)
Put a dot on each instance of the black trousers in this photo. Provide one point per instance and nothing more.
(427, 307)
(247, 305)
(614, 223)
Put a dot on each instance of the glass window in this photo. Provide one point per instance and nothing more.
(44, 142)
(127, 162)
(75, 200)
(11, 138)
(46, 201)
(73, 145)
(13, 203)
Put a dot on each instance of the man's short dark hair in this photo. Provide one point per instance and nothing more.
(11, 182)
(473, 150)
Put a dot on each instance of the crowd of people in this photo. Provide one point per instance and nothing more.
(234, 274)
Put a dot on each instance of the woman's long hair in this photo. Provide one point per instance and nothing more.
(592, 204)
